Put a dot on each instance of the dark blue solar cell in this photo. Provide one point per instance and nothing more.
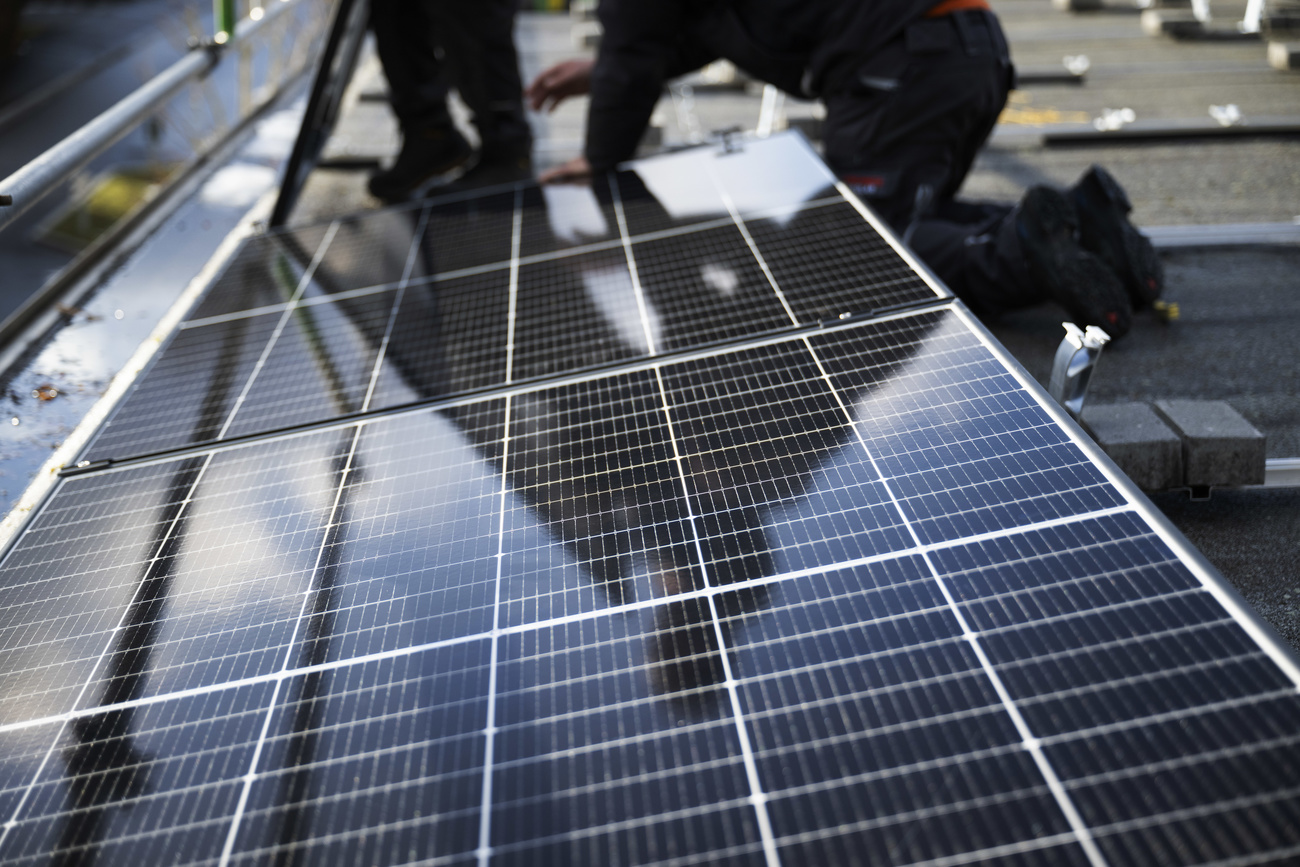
(150, 784)
(602, 722)
(374, 763)
(986, 803)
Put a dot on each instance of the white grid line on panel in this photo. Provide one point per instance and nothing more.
(521, 388)
(757, 798)
(1202, 810)
(1136, 679)
(629, 824)
(516, 239)
(922, 814)
(484, 851)
(1030, 742)
(936, 680)
(249, 681)
(148, 797)
(1231, 602)
(108, 645)
(126, 388)
(888, 234)
(1116, 827)
(631, 266)
(1115, 643)
(831, 702)
(642, 237)
(285, 667)
(279, 328)
(1096, 609)
(975, 461)
(905, 770)
(639, 605)
(335, 798)
(828, 665)
(392, 314)
(1074, 582)
(959, 403)
(1186, 761)
(1248, 860)
(152, 835)
(272, 854)
(535, 258)
(314, 301)
(993, 853)
(612, 744)
(753, 248)
(1168, 716)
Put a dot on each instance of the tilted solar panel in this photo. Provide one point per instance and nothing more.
(621, 547)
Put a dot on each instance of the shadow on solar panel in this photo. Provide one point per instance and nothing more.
(622, 553)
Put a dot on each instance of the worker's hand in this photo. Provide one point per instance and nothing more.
(575, 171)
(558, 83)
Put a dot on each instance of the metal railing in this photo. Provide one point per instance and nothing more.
(27, 186)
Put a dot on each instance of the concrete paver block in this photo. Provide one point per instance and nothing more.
(1077, 5)
(1136, 439)
(1177, 23)
(1219, 446)
(1284, 55)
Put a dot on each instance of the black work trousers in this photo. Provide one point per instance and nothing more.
(428, 47)
(910, 120)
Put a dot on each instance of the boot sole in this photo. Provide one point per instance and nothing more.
(1072, 277)
(443, 173)
(1105, 230)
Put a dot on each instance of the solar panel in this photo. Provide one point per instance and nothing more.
(619, 526)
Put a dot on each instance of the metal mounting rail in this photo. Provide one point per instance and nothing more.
(1282, 473)
(34, 181)
(1201, 237)
(1145, 131)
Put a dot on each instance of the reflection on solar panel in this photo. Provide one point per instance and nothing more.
(676, 520)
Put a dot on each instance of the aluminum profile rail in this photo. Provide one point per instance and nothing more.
(38, 178)
(1282, 473)
(1201, 237)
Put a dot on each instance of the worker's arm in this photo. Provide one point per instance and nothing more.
(637, 55)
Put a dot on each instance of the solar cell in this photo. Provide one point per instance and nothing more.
(619, 547)
(265, 273)
(671, 254)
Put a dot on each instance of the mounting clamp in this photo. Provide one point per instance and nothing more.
(1072, 368)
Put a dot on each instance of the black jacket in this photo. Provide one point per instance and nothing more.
(800, 46)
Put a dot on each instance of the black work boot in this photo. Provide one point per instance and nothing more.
(1104, 229)
(498, 163)
(426, 156)
(1047, 228)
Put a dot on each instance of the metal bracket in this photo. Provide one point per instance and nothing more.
(1076, 358)
(732, 139)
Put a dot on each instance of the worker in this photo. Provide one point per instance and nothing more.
(426, 48)
(912, 90)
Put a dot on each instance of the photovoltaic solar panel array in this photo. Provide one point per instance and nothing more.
(674, 520)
